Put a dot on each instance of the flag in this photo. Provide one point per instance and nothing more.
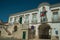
(42, 14)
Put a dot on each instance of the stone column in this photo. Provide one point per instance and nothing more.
(36, 33)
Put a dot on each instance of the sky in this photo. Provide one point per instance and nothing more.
(8, 7)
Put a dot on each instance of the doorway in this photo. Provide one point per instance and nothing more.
(44, 31)
(24, 34)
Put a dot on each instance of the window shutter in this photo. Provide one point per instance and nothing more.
(20, 20)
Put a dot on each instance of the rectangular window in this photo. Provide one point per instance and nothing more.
(34, 18)
(55, 16)
(14, 19)
(43, 19)
(11, 19)
(27, 19)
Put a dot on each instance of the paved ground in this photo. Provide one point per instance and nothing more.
(1, 38)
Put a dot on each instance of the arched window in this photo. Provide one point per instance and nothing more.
(15, 28)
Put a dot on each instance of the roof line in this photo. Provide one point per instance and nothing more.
(27, 11)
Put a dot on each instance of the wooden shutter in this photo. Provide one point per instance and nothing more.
(20, 21)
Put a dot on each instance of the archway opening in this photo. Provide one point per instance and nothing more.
(15, 28)
(43, 31)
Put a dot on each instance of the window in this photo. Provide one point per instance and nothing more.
(34, 18)
(14, 19)
(20, 20)
(11, 19)
(27, 19)
(56, 32)
(55, 16)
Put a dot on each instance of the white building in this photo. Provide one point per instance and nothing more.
(45, 20)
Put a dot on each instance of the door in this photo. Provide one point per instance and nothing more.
(24, 35)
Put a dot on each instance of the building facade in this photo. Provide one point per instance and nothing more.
(40, 23)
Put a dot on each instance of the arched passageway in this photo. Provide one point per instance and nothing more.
(43, 31)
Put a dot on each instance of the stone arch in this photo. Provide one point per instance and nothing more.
(44, 3)
(43, 31)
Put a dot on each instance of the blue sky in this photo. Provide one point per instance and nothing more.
(8, 7)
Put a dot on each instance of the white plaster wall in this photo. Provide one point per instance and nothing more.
(23, 19)
(38, 17)
(12, 19)
(55, 26)
(30, 17)
(39, 11)
(59, 14)
(55, 8)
